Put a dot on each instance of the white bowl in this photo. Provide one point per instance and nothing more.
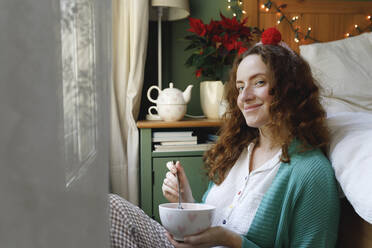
(192, 219)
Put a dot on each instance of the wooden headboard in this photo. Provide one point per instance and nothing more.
(329, 20)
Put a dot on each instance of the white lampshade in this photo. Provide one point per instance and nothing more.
(172, 9)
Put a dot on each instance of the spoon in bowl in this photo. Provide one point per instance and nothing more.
(179, 189)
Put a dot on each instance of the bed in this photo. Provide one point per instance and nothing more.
(341, 61)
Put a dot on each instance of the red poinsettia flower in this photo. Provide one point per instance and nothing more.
(230, 24)
(271, 36)
(245, 20)
(244, 30)
(215, 45)
(234, 26)
(231, 42)
(242, 50)
(233, 45)
(213, 28)
(197, 26)
(227, 42)
(198, 72)
(216, 38)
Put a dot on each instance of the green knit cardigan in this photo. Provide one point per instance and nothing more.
(301, 207)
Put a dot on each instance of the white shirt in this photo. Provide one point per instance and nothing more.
(237, 198)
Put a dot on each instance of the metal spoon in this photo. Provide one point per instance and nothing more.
(179, 189)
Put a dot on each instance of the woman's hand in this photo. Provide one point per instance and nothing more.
(214, 236)
(170, 186)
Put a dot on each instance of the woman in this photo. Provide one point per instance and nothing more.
(270, 181)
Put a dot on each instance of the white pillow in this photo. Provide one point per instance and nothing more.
(351, 157)
(344, 70)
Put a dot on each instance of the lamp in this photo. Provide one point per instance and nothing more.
(167, 10)
(170, 10)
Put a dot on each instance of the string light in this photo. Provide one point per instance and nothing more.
(267, 6)
(357, 28)
(308, 33)
(280, 19)
(296, 36)
(235, 7)
(295, 18)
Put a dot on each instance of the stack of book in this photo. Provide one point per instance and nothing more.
(177, 141)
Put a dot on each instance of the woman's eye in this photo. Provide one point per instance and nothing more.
(260, 83)
(240, 88)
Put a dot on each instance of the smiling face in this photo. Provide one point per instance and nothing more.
(252, 83)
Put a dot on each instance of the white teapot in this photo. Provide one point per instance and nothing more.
(171, 102)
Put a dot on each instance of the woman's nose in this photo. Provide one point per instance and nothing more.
(247, 93)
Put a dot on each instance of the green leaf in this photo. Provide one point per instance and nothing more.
(195, 38)
(189, 62)
(199, 61)
(209, 50)
(191, 37)
(192, 46)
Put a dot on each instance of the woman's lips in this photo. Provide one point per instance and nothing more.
(251, 107)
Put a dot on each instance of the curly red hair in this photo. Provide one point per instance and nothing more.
(295, 107)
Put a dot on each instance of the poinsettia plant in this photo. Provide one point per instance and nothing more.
(215, 45)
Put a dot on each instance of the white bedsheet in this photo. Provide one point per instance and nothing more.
(351, 156)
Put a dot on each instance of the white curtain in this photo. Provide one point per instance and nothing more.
(130, 32)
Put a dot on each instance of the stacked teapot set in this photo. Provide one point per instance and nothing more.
(171, 103)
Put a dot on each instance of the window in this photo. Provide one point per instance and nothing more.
(79, 86)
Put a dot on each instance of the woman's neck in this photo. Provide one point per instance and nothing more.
(264, 149)
(266, 141)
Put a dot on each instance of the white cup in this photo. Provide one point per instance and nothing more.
(150, 112)
(169, 112)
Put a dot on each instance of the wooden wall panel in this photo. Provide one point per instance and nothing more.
(329, 20)
(252, 11)
(325, 7)
(252, 14)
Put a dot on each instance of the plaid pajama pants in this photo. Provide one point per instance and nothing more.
(132, 228)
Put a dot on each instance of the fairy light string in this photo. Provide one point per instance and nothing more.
(298, 35)
(236, 7)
